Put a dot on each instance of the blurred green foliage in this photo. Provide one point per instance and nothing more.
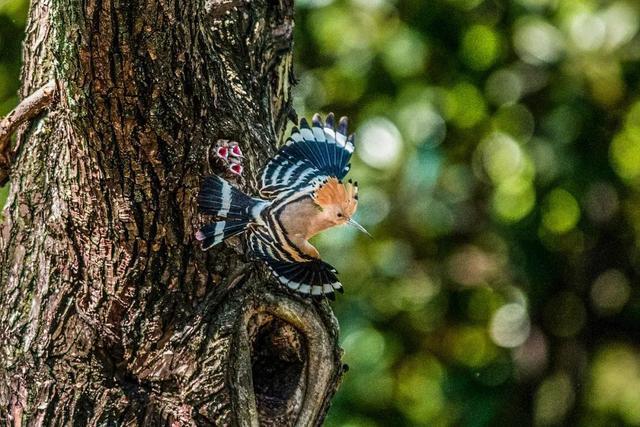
(13, 14)
(499, 161)
(499, 167)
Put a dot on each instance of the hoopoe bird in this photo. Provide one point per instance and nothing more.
(302, 194)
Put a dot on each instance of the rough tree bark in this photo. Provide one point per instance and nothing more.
(110, 313)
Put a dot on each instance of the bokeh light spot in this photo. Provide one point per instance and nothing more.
(422, 124)
(501, 157)
(531, 357)
(414, 293)
(480, 47)
(515, 120)
(380, 143)
(587, 31)
(417, 379)
(364, 346)
(554, 399)
(373, 206)
(625, 154)
(560, 211)
(514, 199)
(615, 381)
(464, 105)
(463, 338)
(545, 161)
(405, 53)
(510, 325)
(483, 302)
(471, 265)
(601, 202)
(621, 21)
(537, 42)
(392, 256)
(504, 87)
(610, 292)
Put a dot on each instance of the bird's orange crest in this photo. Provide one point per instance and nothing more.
(334, 192)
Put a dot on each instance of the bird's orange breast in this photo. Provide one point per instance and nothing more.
(303, 219)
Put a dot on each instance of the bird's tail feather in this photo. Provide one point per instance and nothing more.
(216, 232)
(218, 197)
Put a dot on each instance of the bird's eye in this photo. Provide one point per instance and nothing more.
(339, 215)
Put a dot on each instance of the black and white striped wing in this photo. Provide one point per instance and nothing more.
(310, 155)
(311, 277)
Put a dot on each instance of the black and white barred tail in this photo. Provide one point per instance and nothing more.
(221, 199)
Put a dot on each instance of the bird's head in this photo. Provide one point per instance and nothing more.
(338, 202)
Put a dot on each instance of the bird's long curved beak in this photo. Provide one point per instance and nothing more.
(353, 223)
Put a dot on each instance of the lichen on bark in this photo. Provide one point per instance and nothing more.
(110, 314)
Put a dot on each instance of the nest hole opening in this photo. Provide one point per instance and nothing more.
(278, 367)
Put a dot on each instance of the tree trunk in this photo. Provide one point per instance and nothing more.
(110, 312)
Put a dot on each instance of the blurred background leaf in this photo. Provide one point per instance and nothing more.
(499, 162)
(13, 15)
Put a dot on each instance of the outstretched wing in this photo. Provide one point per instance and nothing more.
(310, 277)
(310, 155)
